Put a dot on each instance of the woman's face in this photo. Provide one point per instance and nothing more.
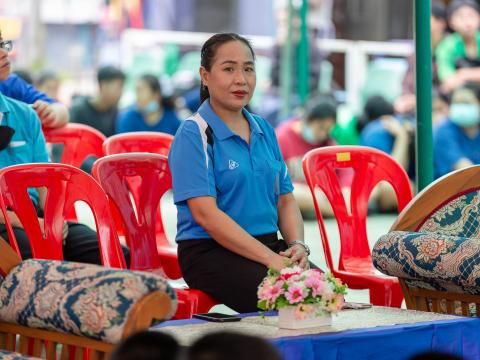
(145, 94)
(465, 21)
(231, 80)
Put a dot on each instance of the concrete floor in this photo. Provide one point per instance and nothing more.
(377, 225)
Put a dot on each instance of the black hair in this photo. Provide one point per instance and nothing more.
(320, 108)
(209, 50)
(375, 107)
(25, 75)
(438, 10)
(154, 84)
(147, 345)
(109, 73)
(232, 346)
(457, 4)
(435, 356)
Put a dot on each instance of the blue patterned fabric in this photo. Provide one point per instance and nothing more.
(459, 217)
(80, 299)
(430, 260)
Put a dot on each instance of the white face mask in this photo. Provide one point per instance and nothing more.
(464, 115)
(151, 107)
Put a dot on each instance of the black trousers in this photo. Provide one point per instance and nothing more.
(80, 245)
(226, 276)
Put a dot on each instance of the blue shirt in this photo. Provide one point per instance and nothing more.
(376, 136)
(246, 180)
(451, 144)
(132, 120)
(17, 88)
(28, 143)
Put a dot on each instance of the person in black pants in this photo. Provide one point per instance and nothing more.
(231, 186)
(22, 141)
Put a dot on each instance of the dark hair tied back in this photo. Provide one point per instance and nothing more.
(209, 50)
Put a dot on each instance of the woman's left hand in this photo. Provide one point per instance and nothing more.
(297, 254)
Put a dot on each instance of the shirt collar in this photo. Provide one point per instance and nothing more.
(220, 129)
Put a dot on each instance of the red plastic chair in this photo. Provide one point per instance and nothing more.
(65, 184)
(147, 142)
(370, 166)
(141, 141)
(79, 141)
(136, 174)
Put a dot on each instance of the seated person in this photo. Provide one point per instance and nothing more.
(147, 345)
(297, 137)
(152, 112)
(101, 111)
(48, 83)
(456, 142)
(381, 130)
(20, 126)
(51, 113)
(458, 55)
(438, 24)
(232, 346)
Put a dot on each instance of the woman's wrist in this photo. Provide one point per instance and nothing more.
(300, 243)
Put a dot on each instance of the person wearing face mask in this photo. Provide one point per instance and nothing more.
(456, 142)
(152, 112)
(297, 137)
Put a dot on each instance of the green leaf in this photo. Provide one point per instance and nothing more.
(262, 305)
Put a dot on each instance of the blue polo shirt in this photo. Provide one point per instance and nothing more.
(17, 88)
(131, 119)
(376, 136)
(246, 180)
(28, 143)
(450, 144)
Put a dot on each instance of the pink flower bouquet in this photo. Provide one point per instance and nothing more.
(307, 290)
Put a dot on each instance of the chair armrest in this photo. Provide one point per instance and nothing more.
(430, 260)
(82, 299)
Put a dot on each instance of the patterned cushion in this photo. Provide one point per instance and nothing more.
(6, 355)
(458, 217)
(80, 299)
(431, 261)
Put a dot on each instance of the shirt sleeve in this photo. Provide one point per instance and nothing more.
(445, 56)
(286, 185)
(39, 147)
(375, 136)
(446, 150)
(190, 164)
(122, 125)
(17, 88)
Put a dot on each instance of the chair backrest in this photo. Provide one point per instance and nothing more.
(445, 212)
(65, 185)
(369, 166)
(79, 141)
(146, 177)
(450, 205)
(141, 141)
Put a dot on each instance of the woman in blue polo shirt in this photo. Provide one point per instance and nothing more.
(231, 185)
(152, 111)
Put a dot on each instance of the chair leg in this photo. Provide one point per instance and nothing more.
(386, 295)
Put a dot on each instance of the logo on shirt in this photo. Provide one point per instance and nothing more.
(232, 164)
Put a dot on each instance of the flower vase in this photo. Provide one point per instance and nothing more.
(302, 317)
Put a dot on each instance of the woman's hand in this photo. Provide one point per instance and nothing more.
(297, 255)
(278, 262)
